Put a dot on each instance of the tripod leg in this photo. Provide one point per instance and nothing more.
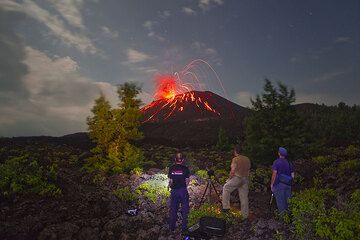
(212, 184)
(202, 198)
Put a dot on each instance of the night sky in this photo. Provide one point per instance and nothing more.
(57, 56)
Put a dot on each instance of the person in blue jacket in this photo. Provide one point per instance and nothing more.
(281, 180)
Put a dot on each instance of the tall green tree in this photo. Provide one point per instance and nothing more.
(114, 130)
(223, 140)
(273, 122)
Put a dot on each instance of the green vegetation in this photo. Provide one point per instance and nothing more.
(223, 140)
(213, 210)
(273, 122)
(314, 215)
(24, 175)
(113, 129)
(155, 189)
(125, 194)
(137, 171)
(202, 174)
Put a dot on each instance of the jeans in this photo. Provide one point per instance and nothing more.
(242, 185)
(179, 196)
(282, 194)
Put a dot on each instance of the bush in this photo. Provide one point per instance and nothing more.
(213, 210)
(25, 175)
(352, 151)
(125, 195)
(350, 165)
(315, 216)
(202, 174)
(137, 171)
(322, 160)
(155, 189)
(221, 175)
(306, 206)
(260, 179)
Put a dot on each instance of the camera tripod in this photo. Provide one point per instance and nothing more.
(209, 185)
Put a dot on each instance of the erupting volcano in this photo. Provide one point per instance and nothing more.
(186, 111)
(181, 96)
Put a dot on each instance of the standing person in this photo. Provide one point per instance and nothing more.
(281, 179)
(239, 179)
(178, 181)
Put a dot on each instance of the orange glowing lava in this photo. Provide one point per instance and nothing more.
(165, 87)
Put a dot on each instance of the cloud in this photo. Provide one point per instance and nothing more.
(205, 5)
(165, 14)
(12, 54)
(56, 26)
(135, 56)
(343, 39)
(328, 76)
(70, 10)
(149, 24)
(109, 33)
(155, 36)
(189, 11)
(243, 98)
(58, 99)
(206, 52)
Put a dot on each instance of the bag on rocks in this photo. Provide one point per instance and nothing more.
(213, 226)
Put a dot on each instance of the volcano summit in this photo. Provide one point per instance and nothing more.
(192, 118)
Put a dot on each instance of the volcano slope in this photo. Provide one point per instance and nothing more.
(192, 119)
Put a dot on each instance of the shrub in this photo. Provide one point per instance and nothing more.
(137, 171)
(155, 189)
(322, 160)
(125, 195)
(306, 206)
(314, 216)
(260, 179)
(213, 210)
(352, 151)
(351, 165)
(24, 175)
(221, 175)
(202, 174)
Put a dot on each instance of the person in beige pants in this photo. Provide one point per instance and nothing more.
(239, 179)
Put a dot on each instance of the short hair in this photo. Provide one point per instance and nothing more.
(237, 149)
(179, 157)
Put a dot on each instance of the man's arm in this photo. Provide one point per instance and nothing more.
(273, 177)
(232, 169)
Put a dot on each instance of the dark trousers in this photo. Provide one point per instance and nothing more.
(282, 194)
(179, 196)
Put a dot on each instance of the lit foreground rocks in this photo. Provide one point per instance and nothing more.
(88, 211)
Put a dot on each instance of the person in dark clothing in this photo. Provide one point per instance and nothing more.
(178, 181)
(282, 175)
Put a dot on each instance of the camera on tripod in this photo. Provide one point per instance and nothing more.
(210, 173)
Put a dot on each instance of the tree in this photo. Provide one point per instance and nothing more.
(273, 122)
(114, 130)
(223, 141)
